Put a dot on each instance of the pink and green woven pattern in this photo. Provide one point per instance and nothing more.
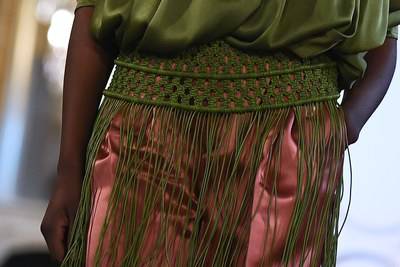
(201, 79)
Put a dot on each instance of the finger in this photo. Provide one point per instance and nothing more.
(55, 236)
(68, 235)
(71, 219)
(59, 243)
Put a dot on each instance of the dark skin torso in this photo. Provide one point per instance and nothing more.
(88, 67)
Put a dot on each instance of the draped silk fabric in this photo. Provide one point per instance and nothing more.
(347, 28)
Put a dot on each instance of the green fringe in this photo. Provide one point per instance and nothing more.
(190, 131)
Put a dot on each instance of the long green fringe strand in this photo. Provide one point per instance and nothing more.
(190, 133)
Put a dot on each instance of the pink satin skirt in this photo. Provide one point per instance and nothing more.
(260, 236)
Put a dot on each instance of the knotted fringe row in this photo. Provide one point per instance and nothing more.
(214, 236)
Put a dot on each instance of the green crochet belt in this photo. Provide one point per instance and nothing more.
(217, 77)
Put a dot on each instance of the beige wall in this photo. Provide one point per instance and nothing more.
(8, 24)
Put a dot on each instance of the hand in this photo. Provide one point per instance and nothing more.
(353, 130)
(58, 219)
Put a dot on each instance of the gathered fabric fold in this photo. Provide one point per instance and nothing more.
(348, 30)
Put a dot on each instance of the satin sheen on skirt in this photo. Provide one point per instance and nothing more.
(271, 208)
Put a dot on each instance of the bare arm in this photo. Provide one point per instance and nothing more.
(88, 66)
(367, 93)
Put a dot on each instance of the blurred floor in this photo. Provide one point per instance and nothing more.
(19, 228)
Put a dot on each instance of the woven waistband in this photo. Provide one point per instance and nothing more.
(218, 77)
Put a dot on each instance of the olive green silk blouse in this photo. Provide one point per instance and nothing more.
(345, 28)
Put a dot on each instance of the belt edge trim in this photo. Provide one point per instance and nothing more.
(224, 76)
(219, 110)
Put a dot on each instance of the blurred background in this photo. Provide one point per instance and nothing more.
(33, 41)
